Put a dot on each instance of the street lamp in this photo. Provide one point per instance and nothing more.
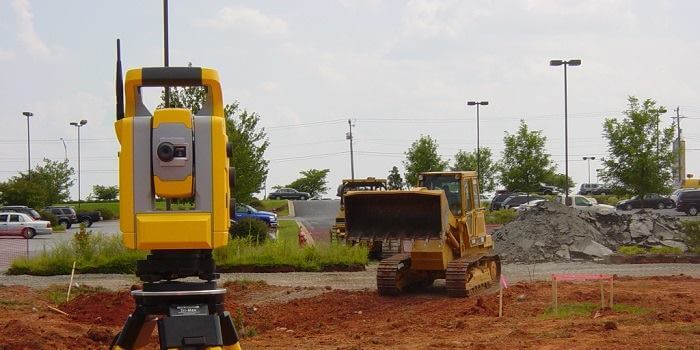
(79, 125)
(566, 122)
(478, 155)
(589, 159)
(29, 152)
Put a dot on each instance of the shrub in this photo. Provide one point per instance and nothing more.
(692, 231)
(665, 250)
(256, 203)
(631, 250)
(607, 199)
(253, 229)
(107, 214)
(501, 217)
(48, 216)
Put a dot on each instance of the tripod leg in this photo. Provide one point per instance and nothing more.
(137, 329)
(228, 332)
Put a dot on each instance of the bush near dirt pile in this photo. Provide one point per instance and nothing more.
(551, 231)
(284, 253)
(692, 230)
(500, 217)
(637, 250)
(606, 199)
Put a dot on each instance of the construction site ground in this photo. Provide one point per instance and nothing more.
(653, 312)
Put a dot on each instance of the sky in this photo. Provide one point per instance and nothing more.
(396, 69)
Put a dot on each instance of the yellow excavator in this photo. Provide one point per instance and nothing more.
(438, 229)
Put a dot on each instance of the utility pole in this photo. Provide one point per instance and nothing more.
(678, 141)
(348, 136)
(166, 49)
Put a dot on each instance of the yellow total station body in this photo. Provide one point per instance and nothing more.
(172, 154)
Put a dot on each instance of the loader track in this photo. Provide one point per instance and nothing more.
(391, 274)
(467, 276)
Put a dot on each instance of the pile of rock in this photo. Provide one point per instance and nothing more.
(553, 232)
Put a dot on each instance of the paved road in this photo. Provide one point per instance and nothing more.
(367, 279)
(317, 216)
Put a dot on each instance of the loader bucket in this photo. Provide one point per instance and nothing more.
(416, 214)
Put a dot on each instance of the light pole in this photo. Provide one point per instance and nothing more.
(65, 149)
(29, 151)
(566, 122)
(589, 159)
(348, 136)
(79, 125)
(478, 154)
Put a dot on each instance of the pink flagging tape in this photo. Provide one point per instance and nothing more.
(504, 283)
(580, 277)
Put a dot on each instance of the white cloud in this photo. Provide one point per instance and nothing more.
(246, 19)
(431, 18)
(25, 32)
(269, 86)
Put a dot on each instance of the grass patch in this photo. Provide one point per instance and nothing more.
(637, 250)
(692, 230)
(500, 217)
(13, 304)
(98, 253)
(241, 252)
(58, 228)
(288, 230)
(56, 294)
(574, 310)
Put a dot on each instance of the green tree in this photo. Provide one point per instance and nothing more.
(105, 193)
(524, 162)
(249, 145)
(19, 190)
(639, 158)
(312, 181)
(49, 183)
(422, 156)
(249, 141)
(394, 180)
(559, 180)
(467, 161)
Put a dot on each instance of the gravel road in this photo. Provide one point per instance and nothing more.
(366, 279)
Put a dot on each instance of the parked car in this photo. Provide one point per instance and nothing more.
(89, 217)
(20, 224)
(21, 209)
(243, 211)
(497, 201)
(529, 205)
(586, 204)
(587, 188)
(547, 189)
(676, 193)
(601, 190)
(65, 215)
(289, 193)
(514, 201)
(688, 202)
(651, 200)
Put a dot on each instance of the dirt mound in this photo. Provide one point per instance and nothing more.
(106, 309)
(551, 231)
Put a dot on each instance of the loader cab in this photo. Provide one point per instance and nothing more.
(460, 189)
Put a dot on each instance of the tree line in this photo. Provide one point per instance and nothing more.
(639, 160)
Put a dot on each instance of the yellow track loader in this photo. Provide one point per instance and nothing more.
(438, 229)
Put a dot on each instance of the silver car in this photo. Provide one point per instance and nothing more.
(20, 224)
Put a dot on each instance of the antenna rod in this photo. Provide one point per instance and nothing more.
(166, 49)
(119, 85)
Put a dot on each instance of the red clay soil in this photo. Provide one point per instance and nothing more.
(335, 319)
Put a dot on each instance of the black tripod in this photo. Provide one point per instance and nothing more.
(189, 315)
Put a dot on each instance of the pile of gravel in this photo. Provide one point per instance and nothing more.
(553, 232)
